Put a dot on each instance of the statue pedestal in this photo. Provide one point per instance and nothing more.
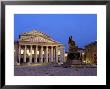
(70, 63)
(74, 62)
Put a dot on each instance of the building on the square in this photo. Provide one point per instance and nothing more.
(82, 52)
(37, 47)
(91, 53)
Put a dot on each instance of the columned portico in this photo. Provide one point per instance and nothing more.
(51, 51)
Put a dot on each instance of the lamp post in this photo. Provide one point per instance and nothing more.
(83, 59)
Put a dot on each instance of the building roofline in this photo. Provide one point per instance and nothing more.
(92, 43)
(42, 34)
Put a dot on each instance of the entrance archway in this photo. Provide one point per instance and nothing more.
(21, 60)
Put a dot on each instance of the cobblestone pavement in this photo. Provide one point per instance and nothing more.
(54, 70)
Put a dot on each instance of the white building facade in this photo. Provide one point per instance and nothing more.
(37, 47)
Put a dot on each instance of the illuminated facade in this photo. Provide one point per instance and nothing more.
(91, 53)
(37, 47)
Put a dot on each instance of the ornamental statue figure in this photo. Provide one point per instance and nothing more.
(72, 45)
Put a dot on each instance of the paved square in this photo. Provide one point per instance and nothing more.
(54, 70)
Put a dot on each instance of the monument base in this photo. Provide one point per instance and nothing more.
(70, 63)
(75, 62)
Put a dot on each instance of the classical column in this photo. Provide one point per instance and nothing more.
(19, 57)
(44, 54)
(51, 53)
(30, 60)
(41, 54)
(61, 54)
(56, 54)
(24, 53)
(36, 54)
(47, 54)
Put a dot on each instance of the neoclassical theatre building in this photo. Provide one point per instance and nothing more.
(37, 47)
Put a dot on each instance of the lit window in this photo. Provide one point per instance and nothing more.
(37, 52)
(43, 52)
(27, 52)
(58, 52)
(32, 51)
(89, 61)
(84, 61)
(22, 51)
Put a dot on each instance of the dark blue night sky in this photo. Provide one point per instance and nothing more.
(83, 27)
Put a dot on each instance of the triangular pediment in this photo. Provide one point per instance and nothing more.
(35, 33)
(37, 39)
(36, 36)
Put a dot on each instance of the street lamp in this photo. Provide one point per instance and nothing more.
(65, 54)
(83, 53)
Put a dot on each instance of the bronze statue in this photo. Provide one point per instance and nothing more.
(72, 45)
(73, 54)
